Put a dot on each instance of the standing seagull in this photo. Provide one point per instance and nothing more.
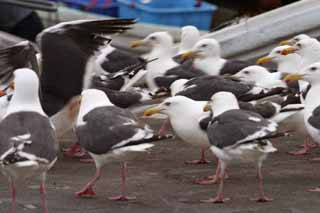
(109, 133)
(28, 145)
(185, 116)
(311, 74)
(237, 135)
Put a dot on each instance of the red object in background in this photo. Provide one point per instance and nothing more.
(198, 3)
(93, 3)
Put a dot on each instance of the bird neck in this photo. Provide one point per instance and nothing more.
(289, 66)
(222, 107)
(26, 101)
(209, 65)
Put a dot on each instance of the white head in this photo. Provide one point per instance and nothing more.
(310, 74)
(253, 74)
(295, 39)
(276, 56)
(221, 102)
(189, 36)
(26, 92)
(307, 47)
(173, 106)
(155, 40)
(91, 99)
(207, 47)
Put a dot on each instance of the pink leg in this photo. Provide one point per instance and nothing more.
(309, 143)
(43, 198)
(317, 189)
(202, 159)
(213, 180)
(220, 195)
(262, 198)
(315, 159)
(123, 196)
(13, 196)
(305, 150)
(164, 127)
(87, 191)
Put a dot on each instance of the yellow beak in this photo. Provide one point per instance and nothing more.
(188, 55)
(263, 60)
(135, 44)
(285, 42)
(293, 77)
(151, 111)
(207, 107)
(288, 51)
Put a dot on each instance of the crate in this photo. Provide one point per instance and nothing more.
(111, 10)
(180, 14)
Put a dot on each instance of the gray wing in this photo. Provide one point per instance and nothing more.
(265, 109)
(314, 119)
(118, 60)
(32, 129)
(203, 87)
(233, 66)
(20, 55)
(69, 45)
(183, 71)
(238, 126)
(109, 127)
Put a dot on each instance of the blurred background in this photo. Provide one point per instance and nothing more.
(208, 15)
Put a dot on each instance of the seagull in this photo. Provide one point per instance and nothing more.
(286, 64)
(109, 133)
(68, 52)
(207, 58)
(261, 77)
(203, 87)
(29, 146)
(190, 35)
(311, 74)
(162, 49)
(185, 116)
(238, 136)
(308, 49)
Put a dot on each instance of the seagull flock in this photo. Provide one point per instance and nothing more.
(73, 79)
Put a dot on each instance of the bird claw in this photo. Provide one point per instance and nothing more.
(207, 181)
(317, 189)
(86, 193)
(262, 199)
(194, 162)
(218, 199)
(303, 151)
(122, 198)
(315, 159)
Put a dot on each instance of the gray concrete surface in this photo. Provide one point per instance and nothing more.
(164, 184)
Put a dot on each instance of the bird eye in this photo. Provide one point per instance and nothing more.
(246, 72)
(204, 45)
(278, 52)
(313, 69)
(299, 45)
(167, 103)
(153, 38)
